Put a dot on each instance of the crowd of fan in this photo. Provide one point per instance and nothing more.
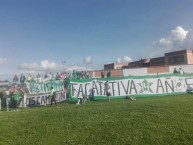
(11, 97)
(15, 94)
(37, 78)
(50, 76)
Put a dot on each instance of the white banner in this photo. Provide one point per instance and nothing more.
(43, 99)
(135, 86)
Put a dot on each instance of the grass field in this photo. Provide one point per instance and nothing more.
(162, 120)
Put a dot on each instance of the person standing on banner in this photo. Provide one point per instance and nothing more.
(66, 86)
(91, 94)
(80, 99)
(107, 90)
(53, 96)
(7, 92)
(22, 80)
(15, 98)
(23, 97)
(1, 98)
(15, 79)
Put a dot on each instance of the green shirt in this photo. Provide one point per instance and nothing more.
(16, 96)
(52, 92)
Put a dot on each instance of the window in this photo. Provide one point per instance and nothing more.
(176, 59)
(180, 58)
(171, 60)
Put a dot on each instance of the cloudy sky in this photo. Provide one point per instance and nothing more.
(53, 35)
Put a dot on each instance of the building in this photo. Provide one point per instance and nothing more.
(179, 57)
(139, 63)
(182, 57)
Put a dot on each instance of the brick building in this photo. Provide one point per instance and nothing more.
(153, 65)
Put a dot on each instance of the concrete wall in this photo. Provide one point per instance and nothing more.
(147, 71)
(135, 72)
(144, 71)
(117, 73)
(158, 69)
(114, 73)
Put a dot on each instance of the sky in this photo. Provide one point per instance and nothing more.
(57, 35)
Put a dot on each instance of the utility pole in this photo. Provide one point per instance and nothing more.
(63, 63)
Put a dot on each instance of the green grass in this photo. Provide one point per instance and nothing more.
(147, 121)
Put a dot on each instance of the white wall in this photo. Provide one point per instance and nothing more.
(151, 74)
(185, 68)
(135, 72)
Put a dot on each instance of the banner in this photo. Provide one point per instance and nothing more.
(146, 85)
(44, 99)
(44, 87)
